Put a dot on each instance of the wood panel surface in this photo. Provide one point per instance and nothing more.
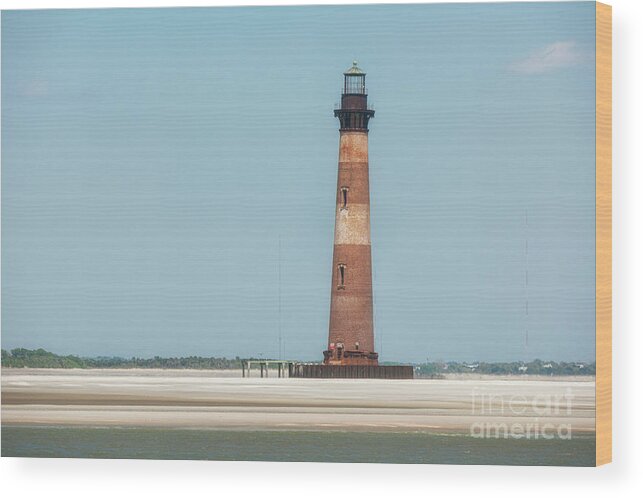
(603, 233)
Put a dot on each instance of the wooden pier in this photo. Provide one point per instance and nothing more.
(282, 367)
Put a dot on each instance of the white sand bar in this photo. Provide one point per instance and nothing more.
(207, 399)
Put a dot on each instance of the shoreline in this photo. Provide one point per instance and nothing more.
(443, 431)
(198, 399)
(234, 373)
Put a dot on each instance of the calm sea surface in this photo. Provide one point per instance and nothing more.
(291, 446)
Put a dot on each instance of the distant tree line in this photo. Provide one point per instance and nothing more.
(39, 358)
(536, 367)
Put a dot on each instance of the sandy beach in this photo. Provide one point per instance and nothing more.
(202, 399)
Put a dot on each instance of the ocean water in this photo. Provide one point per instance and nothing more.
(292, 446)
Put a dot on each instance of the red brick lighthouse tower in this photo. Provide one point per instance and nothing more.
(350, 339)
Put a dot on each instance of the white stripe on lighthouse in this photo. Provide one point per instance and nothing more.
(352, 225)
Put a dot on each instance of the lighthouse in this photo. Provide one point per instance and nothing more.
(351, 336)
(350, 353)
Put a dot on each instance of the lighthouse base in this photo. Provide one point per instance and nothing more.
(350, 357)
(321, 371)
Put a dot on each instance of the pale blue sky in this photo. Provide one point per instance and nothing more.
(151, 159)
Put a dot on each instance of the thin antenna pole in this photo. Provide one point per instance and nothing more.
(526, 279)
(279, 292)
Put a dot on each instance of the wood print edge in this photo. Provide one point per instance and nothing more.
(603, 233)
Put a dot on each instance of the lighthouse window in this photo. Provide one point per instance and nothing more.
(341, 275)
(344, 197)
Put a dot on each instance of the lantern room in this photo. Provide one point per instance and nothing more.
(354, 81)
